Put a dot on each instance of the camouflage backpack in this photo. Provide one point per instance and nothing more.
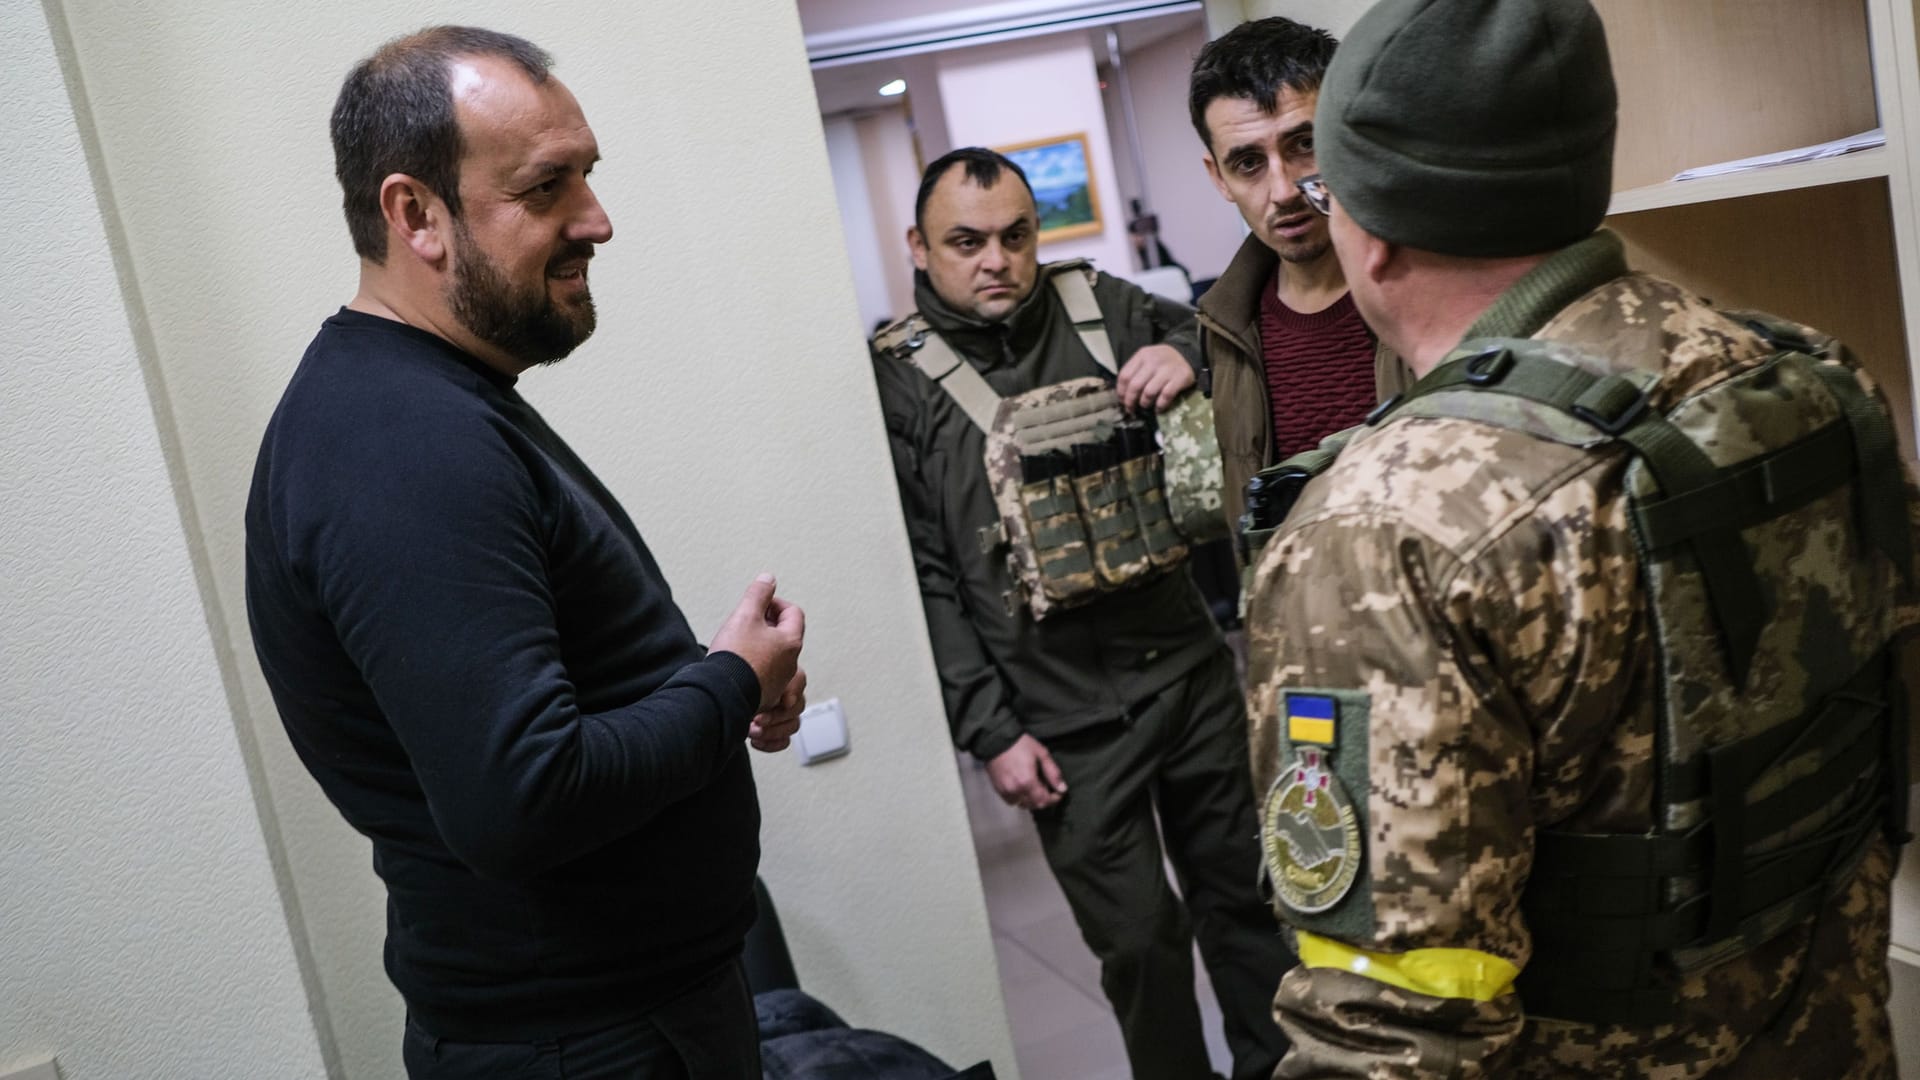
(1079, 486)
(1770, 512)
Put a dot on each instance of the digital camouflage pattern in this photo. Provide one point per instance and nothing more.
(1146, 485)
(1192, 456)
(1072, 539)
(1048, 555)
(1482, 586)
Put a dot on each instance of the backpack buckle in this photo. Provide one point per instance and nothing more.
(1381, 410)
(1606, 406)
(1489, 367)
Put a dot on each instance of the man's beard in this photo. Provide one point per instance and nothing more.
(1298, 251)
(525, 324)
(1303, 251)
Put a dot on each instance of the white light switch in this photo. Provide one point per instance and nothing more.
(823, 733)
(33, 1070)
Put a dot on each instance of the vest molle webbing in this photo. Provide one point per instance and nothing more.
(1078, 484)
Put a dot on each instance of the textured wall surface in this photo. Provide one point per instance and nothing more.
(893, 179)
(140, 932)
(857, 218)
(828, 16)
(726, 400)
(1336, 17)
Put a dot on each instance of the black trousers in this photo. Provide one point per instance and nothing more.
(1182, 752)
(708, 1033)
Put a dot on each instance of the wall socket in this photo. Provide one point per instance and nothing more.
(823, 734)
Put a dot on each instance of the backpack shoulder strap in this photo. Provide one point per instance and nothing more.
(1881, 501)
(1616, 405)
(1073, 281)
(912, 340)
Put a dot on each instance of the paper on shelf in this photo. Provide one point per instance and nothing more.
(1866, 140)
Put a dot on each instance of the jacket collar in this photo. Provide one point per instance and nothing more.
(1232, 305)
(1565, 276)
(1025, 324)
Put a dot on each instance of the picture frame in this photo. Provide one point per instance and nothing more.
(1060, 172)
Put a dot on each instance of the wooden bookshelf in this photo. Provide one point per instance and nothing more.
(1702, 81)
(1823, 255)
(1861, 165)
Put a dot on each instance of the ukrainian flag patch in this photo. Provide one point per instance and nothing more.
(1312, 719)
(1312, 831)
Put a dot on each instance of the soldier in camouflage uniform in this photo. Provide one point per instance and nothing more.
(1451, 652)
(1098, 715)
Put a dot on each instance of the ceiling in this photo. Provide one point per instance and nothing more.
(852, 87)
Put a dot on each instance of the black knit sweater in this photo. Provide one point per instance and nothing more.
(479, 661)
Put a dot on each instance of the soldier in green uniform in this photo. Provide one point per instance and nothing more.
(1574, 711)
(1098, 715)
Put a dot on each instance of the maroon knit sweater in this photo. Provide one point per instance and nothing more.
(1319, 370)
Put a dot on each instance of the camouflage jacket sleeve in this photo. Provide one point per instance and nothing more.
(975, 694)
(1137, 318)
(1483, 626)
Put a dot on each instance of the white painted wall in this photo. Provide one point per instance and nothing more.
(1336, 17)
(923, 100)
(827, 16)
(140, 931)
(1202, 229)
(893, 179)
(726, 400)
(857, 228)
(1125, 177)
(1904, 1007)
(839, 21)
(997, 95)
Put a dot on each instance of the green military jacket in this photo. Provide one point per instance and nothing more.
(1470, 598)
(1229, 320)
(1004, 674)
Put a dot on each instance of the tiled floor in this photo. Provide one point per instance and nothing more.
(1063, 1028)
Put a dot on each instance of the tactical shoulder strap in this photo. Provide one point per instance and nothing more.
(912, 339)
(1616, 405)
(1881, 505)
(1074, 284)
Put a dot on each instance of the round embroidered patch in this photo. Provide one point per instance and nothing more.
(1310, 834)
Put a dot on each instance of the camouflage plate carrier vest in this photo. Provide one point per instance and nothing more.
(1088, 501)
(1763, 504)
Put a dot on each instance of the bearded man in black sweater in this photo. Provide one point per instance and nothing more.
(472, 649)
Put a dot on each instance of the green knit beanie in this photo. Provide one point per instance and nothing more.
(1471, 127)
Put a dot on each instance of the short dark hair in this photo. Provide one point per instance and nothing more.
(395, 115)
(983, 168)
(1253, 61)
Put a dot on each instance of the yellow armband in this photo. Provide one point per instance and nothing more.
(1441, 973)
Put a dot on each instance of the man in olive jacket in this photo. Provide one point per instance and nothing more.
(1290, 358)
(1099, 715)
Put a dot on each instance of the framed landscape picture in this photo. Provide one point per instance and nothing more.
(1061, 174)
